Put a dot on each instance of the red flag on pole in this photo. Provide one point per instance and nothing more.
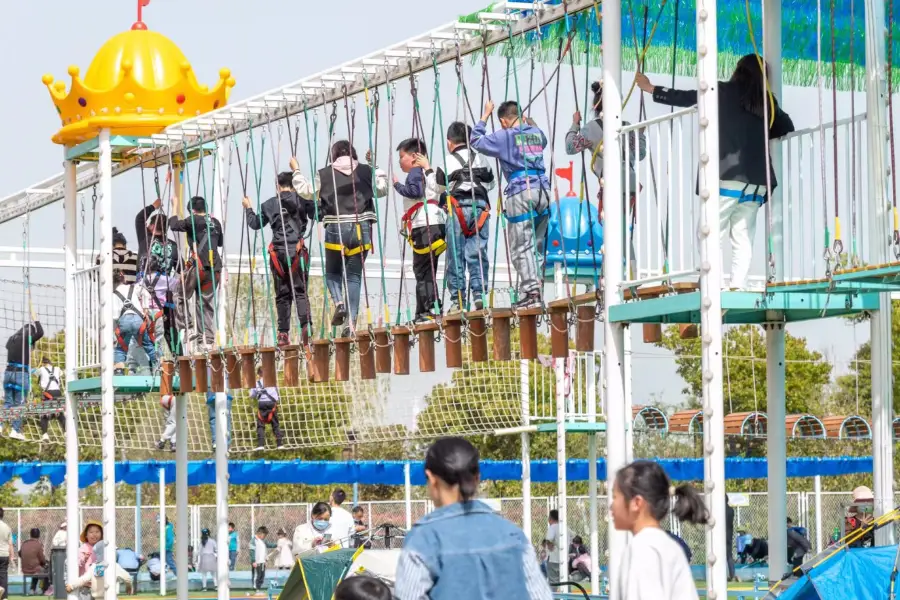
(568, 173)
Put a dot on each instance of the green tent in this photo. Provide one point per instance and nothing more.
(314, 577)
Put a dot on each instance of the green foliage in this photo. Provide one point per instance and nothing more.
(807, 373)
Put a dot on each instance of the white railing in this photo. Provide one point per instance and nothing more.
(660, 226)
(810, 170)
(582, 388)
(87, 316)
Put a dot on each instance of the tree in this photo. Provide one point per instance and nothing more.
(855, 388)
(806, 379)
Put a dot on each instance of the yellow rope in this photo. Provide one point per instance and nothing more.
(762, 65)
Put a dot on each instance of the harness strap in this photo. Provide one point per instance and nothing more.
(270, 414)
(407, 218)
(526, 216)
(525, 173)
(276, 264)
(463, 222)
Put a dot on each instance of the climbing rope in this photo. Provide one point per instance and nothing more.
(890, 95)
(261, 234)
(838, 248)
(827, 253)
(243, 170)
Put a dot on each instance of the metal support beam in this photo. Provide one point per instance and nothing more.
(560, 370)
(711, 299)
(526, 450)
(70, 244)
(108, 395)
(164, 572)
(880, 215)
(613, 273)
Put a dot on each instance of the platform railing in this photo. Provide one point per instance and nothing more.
(659, 180)
(87, 316)
(810, 171)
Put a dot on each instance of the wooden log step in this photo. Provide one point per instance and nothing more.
(655, 291)
(577, 300)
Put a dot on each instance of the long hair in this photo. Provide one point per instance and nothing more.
(648, 480)
(455, 461)
(748, 76)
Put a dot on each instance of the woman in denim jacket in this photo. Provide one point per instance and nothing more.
(462, 549)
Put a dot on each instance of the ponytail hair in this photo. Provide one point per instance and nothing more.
(597, 105)
(649, 481)
(455, 461)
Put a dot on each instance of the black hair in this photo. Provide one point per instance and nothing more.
(320, 508)
(262, 529)
(343, 148)
(1, 513)
(204, 536)
(577, 540)
(286, 180)
(45, 360)
(259, 371)
(198, 204)
(458, 133)
(597, 105)
(35, 533)
(648, 480)
(232, 525)
(357, 509)
(118, 237)
(455, 461)
(790, 521)
(157, 220)
(362, 587)
(412, 146)
(338, 495)
(554, 514)
(748, 76)
(508, 110)
(118, 277)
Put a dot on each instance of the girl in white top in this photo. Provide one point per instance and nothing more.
(654, 566)
(284, 558)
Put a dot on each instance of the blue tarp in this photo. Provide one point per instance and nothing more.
(391, 472)
(861, 574)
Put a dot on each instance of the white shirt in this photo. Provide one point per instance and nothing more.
(5, 537)
(140, 299)
(260, 551)
(342, 526)
(654, 567)
(553, 537)
(304, 536)
(49, 378)
(60, 539)
(284, 558)
(97, 584)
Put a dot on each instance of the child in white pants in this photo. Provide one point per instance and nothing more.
(168, 435)
(738, 207)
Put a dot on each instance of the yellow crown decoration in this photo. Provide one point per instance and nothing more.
(138, 84)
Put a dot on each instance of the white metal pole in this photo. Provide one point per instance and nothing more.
(613, 272)
(590, 377)
(817, 486)
(182, 523)
(407, 495)
(560, 367)
(221, 403)
(711, 298)
(162, 531)
(71, 252)
(526, 451)
(775, 332)
(880, 324)
(108, 398)
(629, 399)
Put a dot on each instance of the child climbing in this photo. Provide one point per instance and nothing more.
(49, 376)
(423, 224)
(167, 402)
(287, 215)
(465, 185)
(347, 192)
(519, 145)
(17, 378)
(131, 302)
(158, 268)
(203, 275)
(267, 412)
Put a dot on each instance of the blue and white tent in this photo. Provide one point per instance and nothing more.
(858, 573)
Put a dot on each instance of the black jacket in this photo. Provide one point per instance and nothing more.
(204, 233)
(20, 344)
(337, 204)
(742, 144)
(287, 216)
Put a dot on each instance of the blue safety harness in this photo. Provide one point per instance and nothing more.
(743, 196)
(530, 215)
(20, 369)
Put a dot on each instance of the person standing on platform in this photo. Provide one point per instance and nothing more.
(17, 379)
(49, 377)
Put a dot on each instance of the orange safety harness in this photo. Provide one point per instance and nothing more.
(128, 306)
(461, 217)
(276, 264)
(269, 414)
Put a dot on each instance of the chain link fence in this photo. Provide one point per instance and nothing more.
(751, 518)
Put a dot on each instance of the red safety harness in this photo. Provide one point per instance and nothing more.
(407, 218)
(270, 414)
(463, 222)
(295, 264)
(127, 306)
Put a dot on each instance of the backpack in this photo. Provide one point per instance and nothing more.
(163, 256)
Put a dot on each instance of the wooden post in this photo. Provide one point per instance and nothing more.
(652, 333)
(559, 333)
(477, 335)
(292, 366)
(453, 340)
(233, 369)
(318, 369)
(267, 360)
(248, 368)
(185, 375)
(217, 372)
(528, 332)
(342, 359)
(585, 316)
(502, 349)
(201, 379)
(167, 378)
(688, 331)
(382, 350)
(425, 333)
(401, 350)
(366, 355)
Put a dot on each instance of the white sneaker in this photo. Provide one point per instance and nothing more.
(45, 437)
(15, 435)
(258, 448)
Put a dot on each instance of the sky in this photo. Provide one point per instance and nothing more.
(266, 44)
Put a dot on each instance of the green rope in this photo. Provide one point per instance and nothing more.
(210, 203)
(501, 220)
(257, 176)
(186, 172)
(370, 118)
(311, 144)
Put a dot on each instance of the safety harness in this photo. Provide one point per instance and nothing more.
(458, 177)
(49, 394)
(295, 264)
(127, 307)
(270, 413)
(437, 246)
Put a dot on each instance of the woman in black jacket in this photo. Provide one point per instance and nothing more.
(742, 151)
